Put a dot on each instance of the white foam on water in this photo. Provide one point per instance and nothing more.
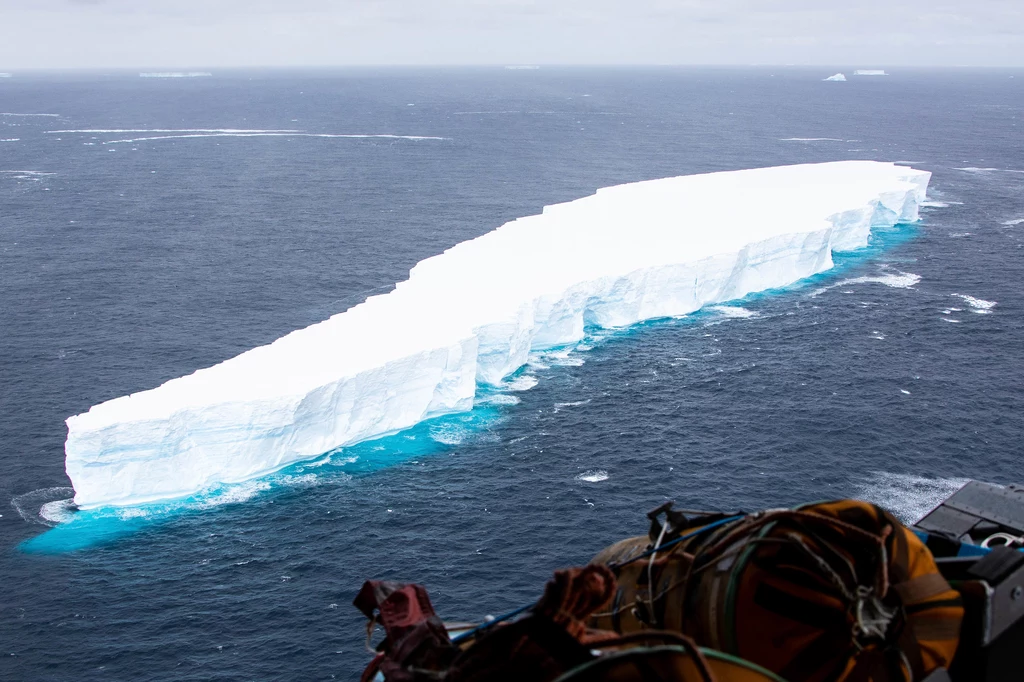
(27, 173)
(975, 169)
(907, 496)
(576, 403)
(809, 139)
(58, 511)
(1011, 223)
(449, 433)
(896, 280)
(733, 311)
(121, 131)
(234, 494)
(523, 382)
(46, 506)
(625, 254)
(8, 113)
(349, 136)
(175, 74)
(498, 399)
(10, 139)
(935, 204)
(977, 305)
(593, 476)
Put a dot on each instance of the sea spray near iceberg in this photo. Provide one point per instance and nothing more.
(472, 315)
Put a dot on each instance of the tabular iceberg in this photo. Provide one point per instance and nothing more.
(471, 315)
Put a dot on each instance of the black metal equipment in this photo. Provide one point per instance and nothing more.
(977, 536)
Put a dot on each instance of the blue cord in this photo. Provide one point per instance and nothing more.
(716, 524)
(483, 626)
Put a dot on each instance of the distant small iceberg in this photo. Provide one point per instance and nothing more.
(175, 74)
(839, 78)
(522, 67)
(6, 75)
(870, 72)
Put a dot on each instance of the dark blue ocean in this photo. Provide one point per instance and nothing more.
(171, 243)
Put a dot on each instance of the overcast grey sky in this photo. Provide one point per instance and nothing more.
(222, 33)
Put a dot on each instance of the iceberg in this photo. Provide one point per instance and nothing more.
(870, 72)
(471, 315)
(839, 78)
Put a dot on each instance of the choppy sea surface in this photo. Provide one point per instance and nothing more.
(153, 226)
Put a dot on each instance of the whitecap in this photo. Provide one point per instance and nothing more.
(9, 113)
(523, 382)
(809, 139)
(975, 169)
(733, 311)
(561, 406)
(896, 280)
(10, 139)
(558, 357)
(907, 496)
(978, 305)
(593, 476)
(1011, 223)
(234, 494)
(935, 204)
(349, 136)
(175, 74)
(121, 131)
(498, 399)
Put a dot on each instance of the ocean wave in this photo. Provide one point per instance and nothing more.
(175, 74)
(974, 169)
(8, 113)
(1011, 223)
(576, 403)
(46, 506)
(977, 305)
(449, 433)
(121, 131)
(810, 139)
(522, 382)
(593, 476)
(10, 139)
(354, 136)
(733, 311)
(498, 399)
(896, 280)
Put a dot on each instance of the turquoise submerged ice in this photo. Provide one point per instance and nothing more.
(471, 315)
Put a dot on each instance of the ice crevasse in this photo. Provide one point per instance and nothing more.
(471, 315)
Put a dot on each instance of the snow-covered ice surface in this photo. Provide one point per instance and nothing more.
(469, 316)
(839, 78)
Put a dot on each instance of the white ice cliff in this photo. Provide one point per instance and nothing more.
(471, 315)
